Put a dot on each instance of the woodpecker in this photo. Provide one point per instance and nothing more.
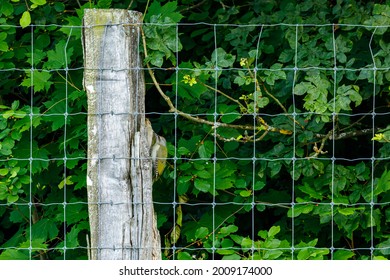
(158, 150)
(159, 155)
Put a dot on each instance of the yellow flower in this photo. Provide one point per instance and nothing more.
(187, 79)
(243, 61)
(378, 137)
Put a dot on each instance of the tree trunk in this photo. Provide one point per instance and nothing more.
(119, 175)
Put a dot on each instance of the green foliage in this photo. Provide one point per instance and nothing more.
(328, 69)
(265, 181)
(161, 34)
(41, 100)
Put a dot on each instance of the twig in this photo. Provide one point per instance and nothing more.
(281, 106)
(131, 3)
(242, 107)
(193, 7)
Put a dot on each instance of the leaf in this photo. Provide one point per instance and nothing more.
(233, 257)
(262, 101)
(6, 8)
(246, 243)
(225, 251)
(236, 238)
(304, 254)
(201, 232)
(185, 90)
(40, 80)
(39, 2)
(41, 153)
(302, 88)
(183, 183)
(167, 10)
(202, 185)
(274, 74)
(204, 174)
(310, 190)
(273, 231)
(259, 185)
(220, 58)
(316, 91)
(343, 255)
(175, 234)
(25, 20)
(340, 184)
(5, 132)
(380, 17)
(3, 44)
(224, 183)
(245, 193)
(271, 243)
(66, 181)
(6, 146)
(299, 209)
(346, 211)
(59, 57)
(346, 95)
(74, 214)
(72, 237)
(228, 133)
(44, 229)
(12, 198)
(383, 183)
(228, 230)
(104, 4)
(3, 171)
(57, 109)
(230, 117)
(206, 150)
(384, 247)
(272, 254)
(69, 30)
(14, 254)
(181, 256)
(275, 166)
(183, 151)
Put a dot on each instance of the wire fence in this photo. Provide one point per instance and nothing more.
(280, 165)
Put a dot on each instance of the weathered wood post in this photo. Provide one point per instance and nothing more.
(119, 175)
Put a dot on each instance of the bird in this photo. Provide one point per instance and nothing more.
(158, 151)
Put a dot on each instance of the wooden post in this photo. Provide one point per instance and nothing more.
(119, 175)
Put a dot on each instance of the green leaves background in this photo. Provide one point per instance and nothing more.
(243, 200)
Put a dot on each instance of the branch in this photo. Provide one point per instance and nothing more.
(349, 134)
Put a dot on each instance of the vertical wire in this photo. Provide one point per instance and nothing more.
(30, 204)
(372, 147)
(65, 131)
(333, 137)
(215, 136)
(294, 142)
(254, 143)
(137, 70)
(175, 139)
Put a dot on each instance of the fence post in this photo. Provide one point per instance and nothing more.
(119, 175)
